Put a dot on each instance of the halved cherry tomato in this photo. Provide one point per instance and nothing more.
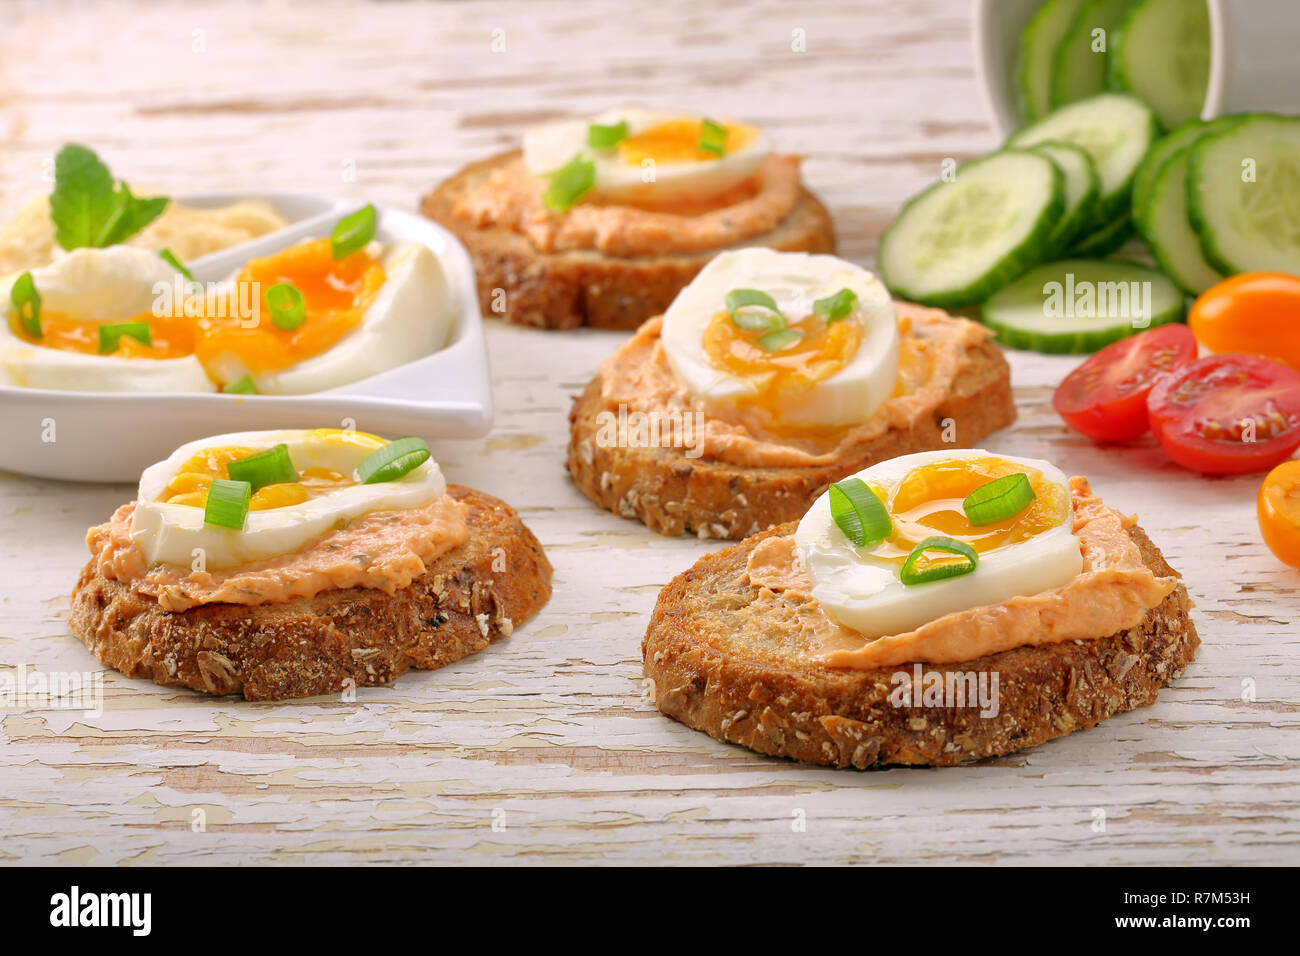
(1105, 398)
(1257, 313)
(1278, 507)
(1227, 414)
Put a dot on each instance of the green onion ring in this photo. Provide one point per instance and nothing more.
(999, 499)
(227, 504)
(858, 512)
(393, 460)
(909, 574)
(270, 467)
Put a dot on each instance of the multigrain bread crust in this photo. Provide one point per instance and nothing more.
(569, 289)
(468, 597)
(673, 494)
(751, 684)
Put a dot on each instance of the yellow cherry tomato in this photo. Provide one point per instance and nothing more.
(1255, 312)
(1278, 507)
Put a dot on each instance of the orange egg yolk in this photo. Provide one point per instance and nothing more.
(678, 141)
(336, 295)
(821, 350)
(189, 486)
(928, 501)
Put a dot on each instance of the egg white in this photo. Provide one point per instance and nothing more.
(864, 593)
(410, 317)
(795, 280)
(98, 285)
(549, 147)
(169, 533)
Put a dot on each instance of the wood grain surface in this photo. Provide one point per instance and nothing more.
(543, 748)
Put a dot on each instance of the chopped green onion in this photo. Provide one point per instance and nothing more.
(288, 308)
(569, 183)
(240, 386)
(353, 233)
(781, 338)
(738, 299)
(910, 574)
(169, 257)
(270, 467)
(858, 512)
(227, 504)
(999, 499)
(713, 137)
(393, 460)
(837, 306)
(606, 137)
(110, 336)
(27, 302)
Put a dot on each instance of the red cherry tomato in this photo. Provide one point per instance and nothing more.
(1227, 414)
(1105, 398)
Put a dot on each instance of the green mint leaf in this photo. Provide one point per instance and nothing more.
(88, 209)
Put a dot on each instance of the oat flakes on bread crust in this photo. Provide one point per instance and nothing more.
(744, 679)
(313, 646)
(673, 494)
(571, 289)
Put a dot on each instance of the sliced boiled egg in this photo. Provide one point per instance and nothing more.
(1029, 552)
(82, 291)
(813, 368)
(653, 157)
(366, 313)
(168, 523)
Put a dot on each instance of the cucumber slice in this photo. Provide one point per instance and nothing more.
(1080, 305)
(1082, 187)
(1166, 146)
(1248, 226)
(1161, 52)
(1115, 129)
(1105, 240)
(957, 242)
(1038, 44)
(1080, 67)
(1165, 226)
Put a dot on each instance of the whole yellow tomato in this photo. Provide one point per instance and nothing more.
(1255, 312)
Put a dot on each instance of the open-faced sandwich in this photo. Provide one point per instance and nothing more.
(316, 315)
(932, 609)
(293, 563)
(602, 222)
(770, 376)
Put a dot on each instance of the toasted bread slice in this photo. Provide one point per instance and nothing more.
(673, 494)
(467, 598)
(570, 289)
(745, 678)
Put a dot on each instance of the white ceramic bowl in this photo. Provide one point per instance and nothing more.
(1253, 61)
(113, 436)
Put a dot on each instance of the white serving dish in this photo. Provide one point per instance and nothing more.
(113, 436)
(1253, 64)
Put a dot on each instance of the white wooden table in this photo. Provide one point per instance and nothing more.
(543, 748)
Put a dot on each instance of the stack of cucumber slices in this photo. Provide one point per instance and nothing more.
(1025, 233)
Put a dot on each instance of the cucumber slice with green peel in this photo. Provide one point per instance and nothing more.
(1037, 57)
(1115, 129)
(957, 242)
(1161, 52)
(1082, 187)
(1080, 68)
(1105, 240)
(1168, 232)
(1243, 195)
(1166, 146)
(1080, 305)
